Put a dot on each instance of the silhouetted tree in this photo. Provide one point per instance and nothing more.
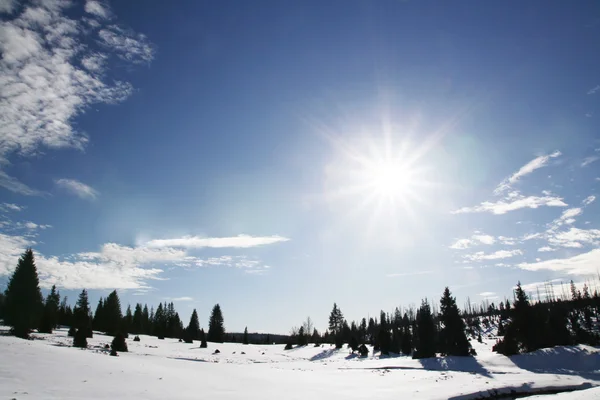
(113, 314)
(203, 343)
(216, 328)
(65, 313)
(49, 319)
(336, 321)
(406, 345)
(80, 338)
(118, 343)
(301, 337)
(24, 302)
(146, 321)
(82, 318)
(245, 340)
(98, 322)
(453, 340)
(193, 328)
(137, 321)
(425, 332)
(127, 320)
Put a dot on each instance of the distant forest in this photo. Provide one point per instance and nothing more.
(521, 325)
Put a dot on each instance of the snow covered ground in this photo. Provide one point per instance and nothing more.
(48, 368)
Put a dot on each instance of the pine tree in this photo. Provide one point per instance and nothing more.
(24, 303)
(453, 340)
(49, 319)
(98, 320)
(127, 321)
(137, 320)
(383, 337)
(406, 345)
(336, 321)
(82, 314)
(113, 315)
(65, 313)
(119, 343)
(216, 328)
(203, 343)
(425, 332)
(245, 340)
(302, 341)
(146, 321)
(193, 328)
(159, 323)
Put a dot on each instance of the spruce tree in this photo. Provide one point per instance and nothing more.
(49, 319)
(245, 340)
(193, 328)
(336, 321)
(24, 303)
(203, 343)
(425, 332)
(137, 320)
(113, 315)
(65, 313)
(302, 341)
(98, 321)
(216, 328)
(453, 340)
(127, 321)
(82, 314)
(406, 345)
(146, 321)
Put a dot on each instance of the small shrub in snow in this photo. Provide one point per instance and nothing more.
(243, 352)
(363, 350)
(113, 353)
(317, 345)
(72, 332)
(118, 343)
(136, 338)
(107, 346)
(203, 344)
(339, 343)
(217, 351)
(80, 339)
(288, 346)
(160, 337)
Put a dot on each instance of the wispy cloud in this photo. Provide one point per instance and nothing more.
(502, 206)
(487, 294)
(475, 240)
(588, 200)
(527, 169)
(546, 249)
(589, 160)
(401, 274)
(240, 241)
(77, 188)
(183, 298)
(594, 90)
(51, 73)
(10, 207)
(574, 238)
(500, 254)
(585, 264)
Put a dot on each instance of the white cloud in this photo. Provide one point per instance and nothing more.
(183, 298)
(30, 225)
(502, 207)
(10, 207)
(508, 241)
(77, 188)
(588, 200)
(574, 237)
(528, 168)
(98, 9)
(585, 264)
(546, 249)
(476, 239)
(589, 160)
(7, 6)
(481, 256)
(487, 294)
(49, 75)
(594, 90)
(240, 241)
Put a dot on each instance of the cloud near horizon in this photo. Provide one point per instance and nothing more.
(197, 242)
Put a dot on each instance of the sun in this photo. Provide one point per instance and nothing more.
(390, 179)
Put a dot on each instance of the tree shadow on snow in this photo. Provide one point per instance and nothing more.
(564, 360)
(453, 363)
(324, 354)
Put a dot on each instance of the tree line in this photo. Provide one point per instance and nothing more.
(521, 325)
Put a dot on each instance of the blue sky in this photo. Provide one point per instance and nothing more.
(275, 157)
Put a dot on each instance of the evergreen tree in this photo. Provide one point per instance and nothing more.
(65, 313)
(425, 332)
(49, 319)
(98, 323)
(146, 321)
(80, 338)
(216, 328)
(159, 323)
(406, 345)
(127, 320)
(113, 315)
(203, 343)
(82, 314)
(453, 340)
(193, 328)
(137, 321)
(24, 302)
(119, 343)
(362, 331)
(383, 337)
(336, 320)
(2, 302)
(245, 340)
(301, 337)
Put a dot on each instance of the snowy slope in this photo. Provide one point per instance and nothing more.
(48, 368)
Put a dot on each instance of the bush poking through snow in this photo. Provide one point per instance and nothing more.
(203, 344)
(72, 332)
(363, 350)
(80, 339)
(118, 343)
(288, 346)
(113, 353)
(136, 338)
(217, 351)
(161, 337)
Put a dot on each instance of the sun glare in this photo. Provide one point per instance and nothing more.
(391, 179)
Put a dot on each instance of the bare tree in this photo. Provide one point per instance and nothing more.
(308, 325)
